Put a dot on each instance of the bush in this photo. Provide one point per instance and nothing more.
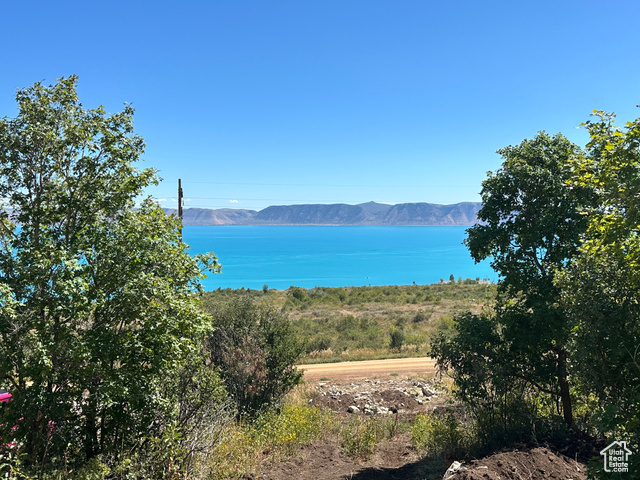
(360, 436)
(397, 338)
(298, 293)
(445, 326)
(421, 316)
(318, 344)
(256, 349)
(273, 434)
(505, 405)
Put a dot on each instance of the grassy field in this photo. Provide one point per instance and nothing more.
(359, 323)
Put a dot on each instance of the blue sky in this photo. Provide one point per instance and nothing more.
(257, 103)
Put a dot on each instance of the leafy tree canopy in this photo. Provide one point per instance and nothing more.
(532, 226)
(601, 289)
(561, 225)
(97, 305)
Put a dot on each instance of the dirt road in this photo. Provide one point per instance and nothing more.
(368, 368)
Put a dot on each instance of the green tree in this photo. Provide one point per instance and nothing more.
(504, 406)
(531, 224)
(601, 288)
(97, 305)
(256, 349)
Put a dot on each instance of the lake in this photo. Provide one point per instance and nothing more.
(309, 256)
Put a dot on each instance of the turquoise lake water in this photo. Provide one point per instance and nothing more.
(334, 256)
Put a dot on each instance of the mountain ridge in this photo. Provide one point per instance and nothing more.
(370, 214)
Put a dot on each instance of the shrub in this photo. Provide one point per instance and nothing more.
(360, 436)
(274, 434)
(445, 326)
(318, 344)
(421, 316)
(298, 293)
(256, 349)
(397, 338)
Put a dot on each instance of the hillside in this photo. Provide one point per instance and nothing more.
(207, 216)
(371, 213)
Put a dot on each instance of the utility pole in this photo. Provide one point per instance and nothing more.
(180, 205)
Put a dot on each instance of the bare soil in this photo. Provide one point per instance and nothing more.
(324, 460)
(396, 458)
(368, 368)
(535, 464)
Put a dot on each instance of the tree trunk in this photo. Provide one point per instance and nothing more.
(91, 432)
(565, 394)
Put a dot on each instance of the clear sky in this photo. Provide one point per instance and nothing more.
(257, 103)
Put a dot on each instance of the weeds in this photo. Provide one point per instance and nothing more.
(282, 433)
(361, 435)
(274, 435)
(437, 435)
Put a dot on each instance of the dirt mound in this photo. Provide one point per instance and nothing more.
(535, 464)
(393, 460)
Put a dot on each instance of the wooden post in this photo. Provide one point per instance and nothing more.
(180, 205)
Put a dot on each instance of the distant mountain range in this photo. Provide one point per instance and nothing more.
(370, 213)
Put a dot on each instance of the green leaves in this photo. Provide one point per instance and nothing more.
(600, 288)
(562, 227)
(531, 227)
(256, 349)
(98, 305)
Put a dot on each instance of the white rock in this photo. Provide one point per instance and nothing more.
(455, 466)
(428, 392)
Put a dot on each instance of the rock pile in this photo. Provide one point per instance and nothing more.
(378, 397)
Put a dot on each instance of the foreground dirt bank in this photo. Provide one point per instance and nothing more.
(395, 458)
(535, 464)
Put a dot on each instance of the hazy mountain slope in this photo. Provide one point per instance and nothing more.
(374, 208)
(370, 213)
(221, 216)
(337, 214)
(431, 214)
